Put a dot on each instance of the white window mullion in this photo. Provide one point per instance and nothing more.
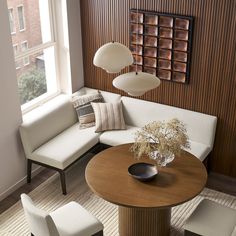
(52, 18)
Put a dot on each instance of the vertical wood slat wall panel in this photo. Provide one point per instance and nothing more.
(212, 79)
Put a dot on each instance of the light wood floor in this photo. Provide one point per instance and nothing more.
(215, 181)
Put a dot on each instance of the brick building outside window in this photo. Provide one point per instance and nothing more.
(31, 27)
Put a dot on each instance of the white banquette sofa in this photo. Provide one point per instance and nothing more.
(52, 138)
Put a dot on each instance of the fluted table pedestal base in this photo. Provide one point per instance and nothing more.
(144, 221)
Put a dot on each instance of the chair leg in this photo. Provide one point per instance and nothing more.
(29, 168)
(100, 233)
(63, 182)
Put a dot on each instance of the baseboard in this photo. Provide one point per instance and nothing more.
(19, 183)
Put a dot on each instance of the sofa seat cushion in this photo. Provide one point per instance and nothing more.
(117, 137)
(199, 150)
(66, 147)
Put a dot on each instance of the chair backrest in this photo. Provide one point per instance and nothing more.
(39, 221)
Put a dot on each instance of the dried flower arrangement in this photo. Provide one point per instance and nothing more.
(161, 141)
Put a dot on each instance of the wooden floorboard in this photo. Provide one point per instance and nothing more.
(215, 181)
(222, 183)
(26, 188)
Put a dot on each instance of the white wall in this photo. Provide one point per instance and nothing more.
(12, 161)
(69, 45)
(75, 44)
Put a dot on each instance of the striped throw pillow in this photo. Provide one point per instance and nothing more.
(108, 116)
(84, 110)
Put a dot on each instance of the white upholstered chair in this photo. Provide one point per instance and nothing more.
(211, 219)
(69, 220)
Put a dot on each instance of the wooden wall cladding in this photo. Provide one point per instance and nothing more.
(212, 86)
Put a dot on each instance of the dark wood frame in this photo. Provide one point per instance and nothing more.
(172, 60)
(95, 149)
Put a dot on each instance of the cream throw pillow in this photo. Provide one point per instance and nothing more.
(108, 116)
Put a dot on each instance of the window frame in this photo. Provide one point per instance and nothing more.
(26, 57)
(15, 53)
(23, 17)
(13, 21)
(39, 48)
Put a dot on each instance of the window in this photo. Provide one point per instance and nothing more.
(35, 51)
(11, 20)
(21, 18)
(15, 48)
(24, 47)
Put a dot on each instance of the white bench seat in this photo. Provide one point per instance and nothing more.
(51, 136)
(66, 147)
(117, 137)
(199, 150)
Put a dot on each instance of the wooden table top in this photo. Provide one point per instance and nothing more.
(178, 182)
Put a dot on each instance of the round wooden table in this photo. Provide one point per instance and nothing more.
(144, 207)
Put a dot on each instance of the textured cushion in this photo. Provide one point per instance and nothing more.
(84, 109)
(211, 219)
(45, 122)
(72, 219)
(200, 127)
(67, 147)
(118, 137)
(109, 116)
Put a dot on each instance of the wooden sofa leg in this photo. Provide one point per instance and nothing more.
(29, 168)
(63, 182)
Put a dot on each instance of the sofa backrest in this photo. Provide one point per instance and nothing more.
(47, 121)
(108, 97)
(200, 127)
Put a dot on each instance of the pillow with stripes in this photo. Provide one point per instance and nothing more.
(84, 109)
(108, 116)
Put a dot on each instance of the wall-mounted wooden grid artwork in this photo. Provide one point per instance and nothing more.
(161, 44)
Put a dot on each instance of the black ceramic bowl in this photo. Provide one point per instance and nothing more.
(143, 171)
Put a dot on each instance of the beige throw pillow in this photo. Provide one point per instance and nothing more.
(108, 116)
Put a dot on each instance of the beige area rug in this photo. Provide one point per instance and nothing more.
(48, 197)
